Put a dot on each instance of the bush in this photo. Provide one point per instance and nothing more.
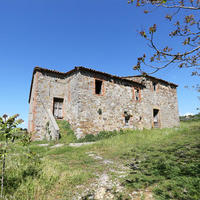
(101, 135)
(66, 133)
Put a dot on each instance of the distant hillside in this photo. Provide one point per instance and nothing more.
(190, 117)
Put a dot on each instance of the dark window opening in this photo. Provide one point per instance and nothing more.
(156, 118)
(137, 94)
(100, 111)
(126, 120)
(58, 108)
(126, 117)
(154, 86)
(98, 87)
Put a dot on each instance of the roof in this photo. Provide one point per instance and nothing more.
(79, 68)
(154, 78)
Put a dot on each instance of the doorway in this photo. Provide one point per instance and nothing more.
(156, 120)
(58, 108)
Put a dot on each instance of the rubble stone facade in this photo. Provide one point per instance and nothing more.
(93, 101)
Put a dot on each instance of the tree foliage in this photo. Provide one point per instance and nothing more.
(8, 133)
(8, 127)
(184, 15)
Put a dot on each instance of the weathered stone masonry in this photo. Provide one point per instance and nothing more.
(92, 101)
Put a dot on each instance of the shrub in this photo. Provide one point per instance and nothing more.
(66, 133)
(101, 135)
(11, 137)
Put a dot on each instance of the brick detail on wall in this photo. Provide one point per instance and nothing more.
(35, 101)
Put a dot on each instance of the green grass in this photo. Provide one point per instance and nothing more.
(66, 133)
(165, 162)
(170, 164)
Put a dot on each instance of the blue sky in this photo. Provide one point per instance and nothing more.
(99, 34)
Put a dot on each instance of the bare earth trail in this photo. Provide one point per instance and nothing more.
(106, 185)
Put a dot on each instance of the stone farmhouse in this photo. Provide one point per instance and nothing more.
(93, 101)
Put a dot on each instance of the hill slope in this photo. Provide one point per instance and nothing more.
(148, 164)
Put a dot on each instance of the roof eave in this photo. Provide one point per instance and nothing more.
(158, 79)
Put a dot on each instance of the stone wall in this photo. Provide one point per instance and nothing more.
(32, 104)
(90, 113)
(46, 87)
(164, 99)
(115, 100)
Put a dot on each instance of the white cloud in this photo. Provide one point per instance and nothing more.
(188, 113)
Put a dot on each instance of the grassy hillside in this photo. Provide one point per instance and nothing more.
(148, 164)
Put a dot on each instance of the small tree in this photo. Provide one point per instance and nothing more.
(8, 132)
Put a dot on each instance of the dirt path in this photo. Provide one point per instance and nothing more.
(108, 186)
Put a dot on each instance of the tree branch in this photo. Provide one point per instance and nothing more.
(179, 6)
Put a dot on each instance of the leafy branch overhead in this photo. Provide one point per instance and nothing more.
(184, 16)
